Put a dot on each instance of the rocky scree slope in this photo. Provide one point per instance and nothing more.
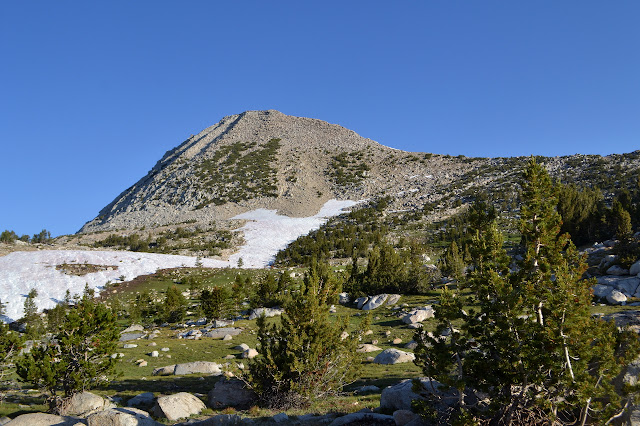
(266, 159)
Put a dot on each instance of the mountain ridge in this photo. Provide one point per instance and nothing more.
(266, 159)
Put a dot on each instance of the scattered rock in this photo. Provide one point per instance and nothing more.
(364, 348)
(411, 345)
(231, 393)
(129, 346)
(393, 299)
(418, 315)
(617, 270)
(397, 341)
(132, 328)
(164, 371)
(242, 347)
(121, 417)
(143, 364)
(154, 354)
(198, 367)
(393, 356)
(367, 389)
(250, 353)
(343, 298)
(42, 419)
(375, 302)
(131, 336)
(177, 406)
(616, 298)
(227, 337)
(267, 312)
(219, 333)
(84, 403)
(280, 418)
(145, 398)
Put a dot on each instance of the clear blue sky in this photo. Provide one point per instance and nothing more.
(94, 93)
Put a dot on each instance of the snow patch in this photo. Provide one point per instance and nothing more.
(265, 234)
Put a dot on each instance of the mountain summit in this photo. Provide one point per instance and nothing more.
(266, 159)
(262, 159)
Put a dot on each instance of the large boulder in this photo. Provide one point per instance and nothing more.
(393, 299)
(616, 298)
(132, 336)
(198, 367)
(142, 399)
(132, 328)
(601, 290)
(41, 419)
(267, 312)
(219, 333)
(635, 269)
(231, 393)
(125, 416)
(178, 406)
(393, 356)
(360, 301)
(167, 370)
(617, 270)
(419, 315)
(375, 302)
(399, 397)
(84, 403)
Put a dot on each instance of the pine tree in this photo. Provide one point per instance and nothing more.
(9, 344)
(532, 346)
(78, 356)
(175, 305)
(305, 357)
(215, 302)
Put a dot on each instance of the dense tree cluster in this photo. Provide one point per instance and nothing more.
(529, 351)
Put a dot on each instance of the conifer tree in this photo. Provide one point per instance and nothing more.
(175, 305)
(78, 356)
(531, 346)
(305, 357)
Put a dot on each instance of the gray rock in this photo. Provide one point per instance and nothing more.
(375, 302)
(145, 398)
(250, 353)
(84, 403)
(617, 270)
(628, 286)
(198, 367)
(365, 348)
(164, 371)
(418, 315)
(133, 328)
(601, 290)
(219, 333)
(403, 417)
(367, 389)
(607, 261)
(231, 393)
(344, 298)
(222, 323)
(280, 418)
(242, 347)
(121, 417)
(131, 336)
(360, 301)
(399, 397)
(393, 356)
(635, 268)
(177, 406)
(411, 345)
(42, 419)
(227, 337)
(267, 312)
(616, 298)
(129, 346)
(4, 420)
(364, 419)
(154, 354)
(393, 299)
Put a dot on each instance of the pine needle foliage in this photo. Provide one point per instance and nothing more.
(305, 357)
(529, 352)
(77, 357)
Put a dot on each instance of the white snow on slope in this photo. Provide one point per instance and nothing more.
(265, 234)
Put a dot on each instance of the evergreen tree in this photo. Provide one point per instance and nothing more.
(532, 347)
(215, 302)
(32, 320)
(305, 357)
(175, 305)
(78, 356)
(9, 344)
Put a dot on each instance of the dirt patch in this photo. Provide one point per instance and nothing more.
(81, 269)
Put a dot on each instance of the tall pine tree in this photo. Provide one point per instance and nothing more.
(529, 351)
